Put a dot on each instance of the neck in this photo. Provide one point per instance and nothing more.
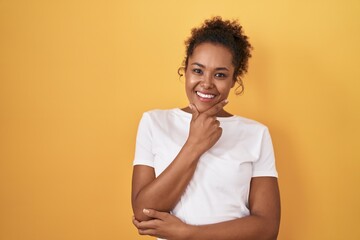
(222, 113)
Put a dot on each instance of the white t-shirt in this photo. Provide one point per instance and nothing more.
(219, 189)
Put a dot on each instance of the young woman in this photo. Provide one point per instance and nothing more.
(201, 172)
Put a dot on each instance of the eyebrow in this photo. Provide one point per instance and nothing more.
(203, 66)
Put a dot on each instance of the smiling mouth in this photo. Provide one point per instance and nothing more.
(203, 95)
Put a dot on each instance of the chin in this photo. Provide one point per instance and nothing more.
(203, 107)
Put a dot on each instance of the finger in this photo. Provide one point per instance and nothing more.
(149, 232)
(135, 222)
(151, 224)
(220, 131)
(143, 224)
(194, 111)
(155, 214)
(216, 108)
(211, 120)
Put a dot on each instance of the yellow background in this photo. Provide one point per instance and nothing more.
(76, 76)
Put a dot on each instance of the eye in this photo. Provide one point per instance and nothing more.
(220, 75)
(197, 70)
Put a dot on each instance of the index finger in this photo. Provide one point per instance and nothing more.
(135, 222)
(216, 108)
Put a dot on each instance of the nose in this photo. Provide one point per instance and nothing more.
(207, 81)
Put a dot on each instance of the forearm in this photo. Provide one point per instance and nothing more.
(164, 191)
(247, 228)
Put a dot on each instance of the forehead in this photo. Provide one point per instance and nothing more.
(212, 55)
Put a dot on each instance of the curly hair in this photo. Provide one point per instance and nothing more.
(227, 33)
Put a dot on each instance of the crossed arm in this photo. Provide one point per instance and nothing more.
(162, 193)
(262, 223)
(153, 198)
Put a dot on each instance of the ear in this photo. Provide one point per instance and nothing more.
(181, 71)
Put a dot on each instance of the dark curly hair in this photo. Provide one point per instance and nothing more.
(227, 33)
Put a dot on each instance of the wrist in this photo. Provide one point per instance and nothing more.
(192, 150)
(190, 232)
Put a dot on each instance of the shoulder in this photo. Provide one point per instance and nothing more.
(161, 116)
(247, 123)
(158, 113)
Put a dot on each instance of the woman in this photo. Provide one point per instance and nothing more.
(201, 172)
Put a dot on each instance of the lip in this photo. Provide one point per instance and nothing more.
(205, 99)
(206, 92)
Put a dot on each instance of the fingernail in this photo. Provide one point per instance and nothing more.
(226, 101)
(145, 211)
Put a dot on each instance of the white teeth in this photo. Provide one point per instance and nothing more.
(205, 95)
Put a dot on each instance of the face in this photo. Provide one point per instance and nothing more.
(209, 76)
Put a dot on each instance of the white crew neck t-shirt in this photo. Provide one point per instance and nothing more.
(219, 189)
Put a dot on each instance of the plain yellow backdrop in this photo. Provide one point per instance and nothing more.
(76, 76)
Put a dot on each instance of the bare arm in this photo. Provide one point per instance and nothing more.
(162, 193)
(262, 223)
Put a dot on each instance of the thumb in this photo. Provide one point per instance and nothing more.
(155, 214)
(194, 111)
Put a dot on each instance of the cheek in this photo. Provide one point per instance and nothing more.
(189, 85)
(190, 78)
(225, 87)
(224, 90)
(190, 81)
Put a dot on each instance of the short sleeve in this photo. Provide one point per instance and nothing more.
(265, 165)
(143, 148)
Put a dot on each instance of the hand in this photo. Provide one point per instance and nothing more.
(205, 130)
(163, 225)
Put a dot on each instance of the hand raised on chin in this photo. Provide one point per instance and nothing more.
(205, 129)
